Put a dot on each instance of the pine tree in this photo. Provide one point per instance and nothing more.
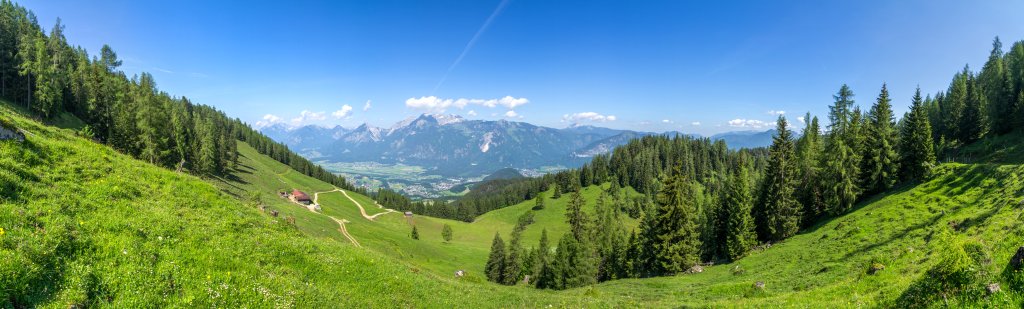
(557, 194)
(572, 267)
(781, 210)
(514, 261)
(953, 106)
(917, 153)
(496, 260)
(539, 204)
(880, 165)
(543, 273)
(677, 238)
(840, 162)
(575, 217)
(810, 192)
(972, 122)
(415, 234)
(994, 82)
(737, 225)
(446, 233)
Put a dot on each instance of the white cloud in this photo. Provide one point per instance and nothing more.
(511, 114)
(801, 119)
(471, 113)
(587, 116)
(750, 123)
(343, 112)
(268, 120)
(695, 123)
(307, 116)
(776, 113)
(666, 121)
(439, 105)
(366, 106)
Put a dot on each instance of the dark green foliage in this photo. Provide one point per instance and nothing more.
(572, 265)
(736, 227)
(446, 233)
(972, 122)
(917, 155)
(575, 217)
(513, 270)
(415, 234)
(810, 192)
(780, 214)
(840, 162)
(543, 274)
(541, 197)
(676, 242)
(495, 267)
(994, 81)
(880, 165)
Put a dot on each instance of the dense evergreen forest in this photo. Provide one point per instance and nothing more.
(48, 76)
(708, 204)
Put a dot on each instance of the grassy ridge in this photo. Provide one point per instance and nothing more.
(85, 225)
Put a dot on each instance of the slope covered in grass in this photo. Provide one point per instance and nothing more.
(84, 225)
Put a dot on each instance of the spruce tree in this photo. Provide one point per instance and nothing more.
(415, 234)
(446, 233)
(953, 105)
(994, 82)
(495, 266)
(737, 223)
(514, 261)
(781, 210)
(677, 238)
(810, 192)
(972, 122)
(575, 217)
(539, 204)
(542, 274)
(880, 165)
(917, 153)
(840, 163)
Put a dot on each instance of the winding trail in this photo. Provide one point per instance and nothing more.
(363, 211)
(344, 231)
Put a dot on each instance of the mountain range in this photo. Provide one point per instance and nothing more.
(450, 145)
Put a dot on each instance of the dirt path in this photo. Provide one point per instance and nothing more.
(363, 210)
(344, 231)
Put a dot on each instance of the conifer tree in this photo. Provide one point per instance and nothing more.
(575, 217)
(676, 238)
(953, 106)
(539, 204)
(917, 153)
(810, 192)
(994, 82)
(781, 210)
(543, 273)
(840, 163)
(415, 234)
(514, 261)
(572, 267)
(446, 233)
(972, 122)
(737, 225)
(880, 165)
(495, 267)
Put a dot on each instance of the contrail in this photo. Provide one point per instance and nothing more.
(501, 7)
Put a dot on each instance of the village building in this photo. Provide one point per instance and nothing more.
(301, 197)
(408, 214)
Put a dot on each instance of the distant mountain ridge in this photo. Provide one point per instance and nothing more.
(450, 145)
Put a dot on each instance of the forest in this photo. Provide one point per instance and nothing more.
(48, 76)
(707, 204)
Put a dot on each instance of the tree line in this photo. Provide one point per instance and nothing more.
(714, 205)
(48, 76)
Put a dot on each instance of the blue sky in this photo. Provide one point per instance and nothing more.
(701, 67)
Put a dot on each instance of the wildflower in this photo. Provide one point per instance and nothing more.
(1, 231)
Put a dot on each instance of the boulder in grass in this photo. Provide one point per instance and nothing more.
(993, 288)
(759, 285)
(1017, 262)
(696, 269)
(875, 267)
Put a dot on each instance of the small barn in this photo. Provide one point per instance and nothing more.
(301, 197)
(408, 214)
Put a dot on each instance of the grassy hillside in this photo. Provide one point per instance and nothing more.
(390, 233)
(81, 224)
